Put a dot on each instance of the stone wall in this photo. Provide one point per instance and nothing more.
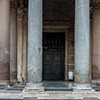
(71, 48)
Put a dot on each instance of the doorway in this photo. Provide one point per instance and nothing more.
(53, 56)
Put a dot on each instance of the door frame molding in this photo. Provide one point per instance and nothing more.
(60, 27)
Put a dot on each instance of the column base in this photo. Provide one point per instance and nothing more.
(32, 87)
(13, 81)
(82, 87)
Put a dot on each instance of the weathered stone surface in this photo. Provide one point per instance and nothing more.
(82, 41)
(32, 87)
(19, 44)
(90, 98)
(66, 55)
(30, 98)
(4, 71)
(71, 44)
(81, 87)
(4, 39)
(35, 41)
(96, 45)
(25, 34)
(13, 45)
(12, 99)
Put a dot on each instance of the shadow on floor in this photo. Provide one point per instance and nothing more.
(57, 86)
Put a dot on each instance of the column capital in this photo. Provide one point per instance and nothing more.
(14, 3)
(25, 12)
(20, 8)
(96, 4)
(20, 14)
(20, 4)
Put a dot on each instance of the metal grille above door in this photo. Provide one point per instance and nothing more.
(53, 39)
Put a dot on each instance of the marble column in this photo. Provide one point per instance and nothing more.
(82, 42)
(13, 42)
(34, 69)
(4, 40)
(96, 42)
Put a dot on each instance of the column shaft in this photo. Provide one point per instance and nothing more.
(4, 39)
(13, 45)
(35, 41)
(82, 41)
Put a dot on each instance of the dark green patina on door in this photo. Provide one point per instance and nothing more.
(53, 56)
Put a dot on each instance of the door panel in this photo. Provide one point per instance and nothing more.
(47, 66)
(53, 66)
(57, 65)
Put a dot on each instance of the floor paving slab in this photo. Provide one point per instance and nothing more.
(92, 98)
(30, 98)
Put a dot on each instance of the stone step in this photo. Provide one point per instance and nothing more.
(17, 99)
(91, 98)
(35, 98)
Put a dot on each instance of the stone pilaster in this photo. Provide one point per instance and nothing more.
(4, 40)
(13, 42)
(66, 55)
(96, 40)
(19, 40)
(25, 35)
(82, 42)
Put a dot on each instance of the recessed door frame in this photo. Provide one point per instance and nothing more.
(59, 27)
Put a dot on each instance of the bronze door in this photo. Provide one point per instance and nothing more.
(53, 58)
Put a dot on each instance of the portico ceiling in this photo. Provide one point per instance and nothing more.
(57, 10)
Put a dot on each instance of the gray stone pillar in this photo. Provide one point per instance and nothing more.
(82, 42)
(13, 42)
(4, 40)
(34, 73)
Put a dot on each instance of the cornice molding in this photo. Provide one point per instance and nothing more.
(25, 14)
